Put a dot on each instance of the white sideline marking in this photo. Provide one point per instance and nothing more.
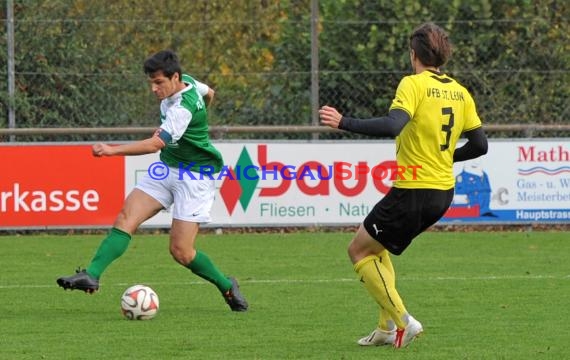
(318, 281)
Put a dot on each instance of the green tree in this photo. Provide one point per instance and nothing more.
(79, 63)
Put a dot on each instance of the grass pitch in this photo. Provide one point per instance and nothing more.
(479, 295)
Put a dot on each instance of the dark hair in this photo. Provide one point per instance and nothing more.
(431, 44)
(165, 61)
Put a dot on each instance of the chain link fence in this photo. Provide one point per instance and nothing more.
(79, 63)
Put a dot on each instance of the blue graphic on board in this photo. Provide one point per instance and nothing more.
(473, 182)
(474, 193)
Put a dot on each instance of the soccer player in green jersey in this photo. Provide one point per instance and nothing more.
(184, 145)
(429, 113)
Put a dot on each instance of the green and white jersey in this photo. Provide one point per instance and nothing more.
(184, 130)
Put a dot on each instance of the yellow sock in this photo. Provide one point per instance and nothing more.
(385, 321)
(384, 257)
(380, 283)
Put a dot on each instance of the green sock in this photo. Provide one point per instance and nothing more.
(112, 247)
(204, 268)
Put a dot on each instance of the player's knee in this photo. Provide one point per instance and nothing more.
(182, 255)
(121, 216)
(122, 222)
(353, 250)
(357, 251)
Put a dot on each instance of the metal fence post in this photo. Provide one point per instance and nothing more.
(10, 70)
(315, 65)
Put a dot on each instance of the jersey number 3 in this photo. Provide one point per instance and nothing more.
(447, 128)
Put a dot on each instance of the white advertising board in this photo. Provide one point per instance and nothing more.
(292, 183)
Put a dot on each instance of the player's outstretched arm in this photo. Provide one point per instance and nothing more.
(389, 125)
(147, 146)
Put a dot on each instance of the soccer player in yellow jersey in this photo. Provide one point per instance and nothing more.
(429, 113)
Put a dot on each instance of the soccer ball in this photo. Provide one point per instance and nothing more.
(139, 302)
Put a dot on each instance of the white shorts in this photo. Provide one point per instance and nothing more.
(191, 199)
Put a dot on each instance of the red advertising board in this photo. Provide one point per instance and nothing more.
(59, 185)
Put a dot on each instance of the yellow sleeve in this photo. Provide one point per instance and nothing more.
(407, 97)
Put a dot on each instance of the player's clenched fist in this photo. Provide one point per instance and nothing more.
(102, 150)
(330, 116)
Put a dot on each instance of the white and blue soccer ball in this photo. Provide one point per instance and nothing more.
(139, 302)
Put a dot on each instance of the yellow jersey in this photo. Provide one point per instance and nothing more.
(440, 110)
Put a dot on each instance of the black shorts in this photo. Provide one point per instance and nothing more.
(403, 214)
